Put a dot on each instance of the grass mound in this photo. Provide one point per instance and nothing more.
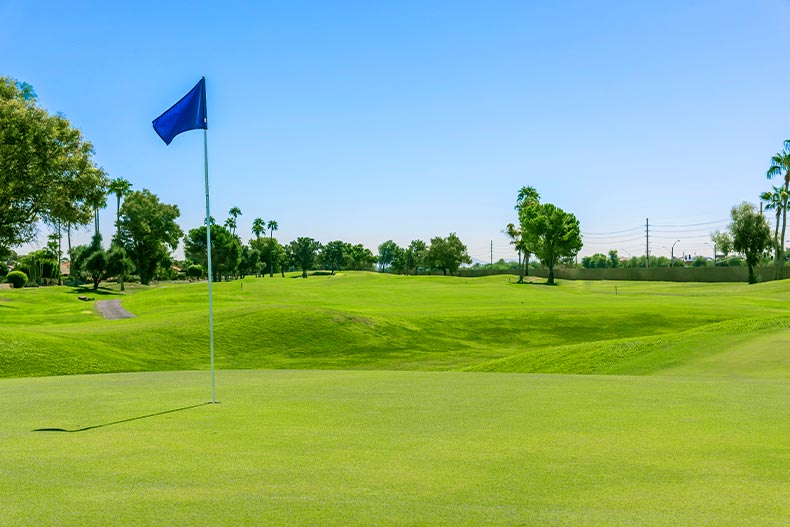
(374, 321)
(668, 353)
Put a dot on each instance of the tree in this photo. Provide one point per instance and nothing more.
(751, 235)
(360, 258)
(551, 232)
(514, 233)
(775, 200)
(39, 265)
(226, 251)
(232, 222)
(118, 264)
(258, 228)
(47, 170)
(387, 252)
(722, 242)
(302, 253)
(250, 260)
(526, 199)
(333, 255)
(596, 261)
(92, 261)
(614, 260)
(400, 261)
(120, 187)
(148, 232)
(272, 227)
(447, 254)
(416, 254)
(97, 201)
(781, 163)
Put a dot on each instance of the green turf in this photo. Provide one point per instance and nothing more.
(395, 448)
(688, 426)
(373, 321)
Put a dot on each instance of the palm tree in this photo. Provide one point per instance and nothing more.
(527, 197)
(230, 223)
(120, 187)
(235, 212)
(514, 233)
(773, 201)
(272, 227)
(781, 163)
(258, 228)
(97, 201)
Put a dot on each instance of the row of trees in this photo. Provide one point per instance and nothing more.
(612, 260)
(443, 254)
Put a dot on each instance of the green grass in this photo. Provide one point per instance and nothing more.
(395, 448)
(686, 421)
(371, 321)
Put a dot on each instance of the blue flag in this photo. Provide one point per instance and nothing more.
(187, 114)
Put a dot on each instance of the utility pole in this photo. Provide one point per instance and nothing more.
(492, 254)
(647, 243)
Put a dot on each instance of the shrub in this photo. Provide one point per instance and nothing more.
(17, 279)
(194, 271)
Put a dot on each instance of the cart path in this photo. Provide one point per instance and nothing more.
(112, 310)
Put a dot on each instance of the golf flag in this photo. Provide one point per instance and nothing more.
(187, 114)
(190, 114)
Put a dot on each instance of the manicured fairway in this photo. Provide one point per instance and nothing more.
(332, 411)
(395, 448)
(373, 321)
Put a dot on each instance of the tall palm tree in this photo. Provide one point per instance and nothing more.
(230, 223)
(773, 201)
(527, 197)
(235, 212)
(258, 228)
(272, 227)
(781, 163)
(514, 233)
(120, 187)
(97, 201)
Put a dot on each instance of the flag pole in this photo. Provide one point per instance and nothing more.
(208, 254)
(189, 113)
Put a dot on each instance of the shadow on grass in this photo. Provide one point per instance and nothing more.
(88, 290)
(121, 421)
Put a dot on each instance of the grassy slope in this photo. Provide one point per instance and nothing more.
(395, 448)
(705, 443)
(371, 321)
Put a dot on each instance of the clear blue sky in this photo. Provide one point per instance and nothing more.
(367, 121)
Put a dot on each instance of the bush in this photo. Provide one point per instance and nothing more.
(194, 271)
(17, 279)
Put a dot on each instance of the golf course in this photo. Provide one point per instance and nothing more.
(374, 399)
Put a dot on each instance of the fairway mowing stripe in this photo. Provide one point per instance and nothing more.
(122, 420)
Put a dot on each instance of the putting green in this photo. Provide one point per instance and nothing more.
(394, 448)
